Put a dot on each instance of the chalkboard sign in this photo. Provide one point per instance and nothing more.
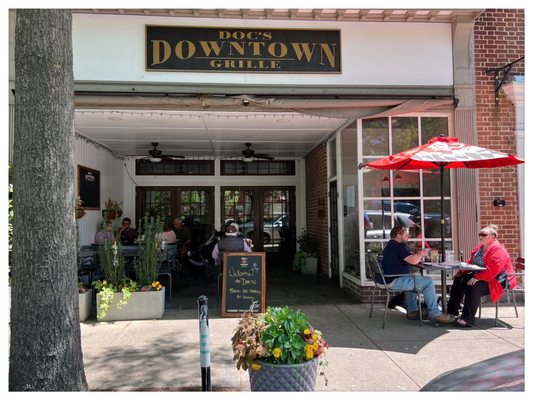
(244, 282)
(89, 188)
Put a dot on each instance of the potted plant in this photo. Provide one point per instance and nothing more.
(85, 301)
(80, 212)
(305, 259)
(149, 260)
(120, 298)
(280, 349)
(113, 209)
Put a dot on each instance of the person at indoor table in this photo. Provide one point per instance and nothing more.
(493, 256)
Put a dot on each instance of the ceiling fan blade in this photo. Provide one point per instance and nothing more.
(264, 156)
(172, 157)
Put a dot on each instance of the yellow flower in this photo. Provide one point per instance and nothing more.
(315, 346)
(309, 352)
(277, 352)
(307, 331)
(104, 283)
(256, 367)
(315, 337)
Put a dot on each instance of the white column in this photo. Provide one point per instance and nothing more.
(515, 92)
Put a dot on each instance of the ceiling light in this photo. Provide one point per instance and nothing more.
(155, 159)
(247, 159)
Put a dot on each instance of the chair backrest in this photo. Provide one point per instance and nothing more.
(520, 264)
(377, 272)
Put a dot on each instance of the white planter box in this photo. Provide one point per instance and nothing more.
(141, 305)
(85, 300)
(310, 265)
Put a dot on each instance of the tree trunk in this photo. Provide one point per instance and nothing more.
(45, 352)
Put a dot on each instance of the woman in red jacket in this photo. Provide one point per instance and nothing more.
(490, 254)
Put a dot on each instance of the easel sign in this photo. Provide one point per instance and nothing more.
(243, 283)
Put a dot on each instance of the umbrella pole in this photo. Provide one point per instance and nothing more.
(442, 251)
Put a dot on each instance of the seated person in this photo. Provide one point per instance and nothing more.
(127, 235)
(470, 286)
(396, 260)
(105, 233)
(231, 242)
(167, 235)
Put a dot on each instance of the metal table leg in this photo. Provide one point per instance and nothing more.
(443, 291)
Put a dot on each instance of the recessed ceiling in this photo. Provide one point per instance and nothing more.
(199, 134)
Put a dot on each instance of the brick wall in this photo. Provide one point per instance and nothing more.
(498, 40)
(315, 192)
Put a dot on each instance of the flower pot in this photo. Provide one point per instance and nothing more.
(85, 300)
(284, 378)
(141, 305)
(309, 266)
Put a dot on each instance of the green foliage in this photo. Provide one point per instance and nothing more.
(148, 262)
(284, 330)
(280, 336)
(107, 291)
(298, 261)
(113, 263)
(307, 244)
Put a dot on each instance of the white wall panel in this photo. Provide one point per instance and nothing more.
(112, 48)
(111, 184)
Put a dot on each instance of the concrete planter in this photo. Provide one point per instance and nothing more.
(141, 305)
(310, 266)
(284, 378)
(85, 300)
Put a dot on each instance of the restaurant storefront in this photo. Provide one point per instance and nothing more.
(319, 95)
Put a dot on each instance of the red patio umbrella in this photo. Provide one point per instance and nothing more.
(444, 152)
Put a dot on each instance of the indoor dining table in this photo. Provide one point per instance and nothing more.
(444, 267)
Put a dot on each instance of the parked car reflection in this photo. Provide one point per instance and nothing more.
(381, 223)
(271, 229)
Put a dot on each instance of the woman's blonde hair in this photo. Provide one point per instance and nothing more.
(491, 229)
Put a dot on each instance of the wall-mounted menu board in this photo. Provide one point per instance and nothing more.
(89, 187)
(244, 282)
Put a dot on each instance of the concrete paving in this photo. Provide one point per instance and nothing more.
(163, 355)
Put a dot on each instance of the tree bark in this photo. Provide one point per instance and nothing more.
(45, 342)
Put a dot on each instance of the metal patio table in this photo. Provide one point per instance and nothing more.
(443, 268)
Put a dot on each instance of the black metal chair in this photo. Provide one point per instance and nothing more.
(168, 264)
(379, 276)
(519, 271)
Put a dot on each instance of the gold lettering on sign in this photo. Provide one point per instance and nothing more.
(181, 45)
(330, 54)
(156, 55)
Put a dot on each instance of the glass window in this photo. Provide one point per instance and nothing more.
(333, 158)
(375, 137)
(404, 133)
(406, 198)
(432, 127)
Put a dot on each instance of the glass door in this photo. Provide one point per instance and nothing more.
(193, 204)
(265, 210)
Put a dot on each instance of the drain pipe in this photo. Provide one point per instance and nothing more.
(205, 356)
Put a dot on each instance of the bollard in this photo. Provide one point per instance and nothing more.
(205, 356)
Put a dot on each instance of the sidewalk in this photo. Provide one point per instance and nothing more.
(163, 355)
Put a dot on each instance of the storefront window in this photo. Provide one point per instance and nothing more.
(333, 158)
(406, 198)
(350, 205)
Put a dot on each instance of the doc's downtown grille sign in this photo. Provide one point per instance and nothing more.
(173, 48)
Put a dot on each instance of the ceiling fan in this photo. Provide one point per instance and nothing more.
(248, 154)
(157, 155)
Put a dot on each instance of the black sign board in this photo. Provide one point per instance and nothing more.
(89, 188)
(244, 282)
(179, 48)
